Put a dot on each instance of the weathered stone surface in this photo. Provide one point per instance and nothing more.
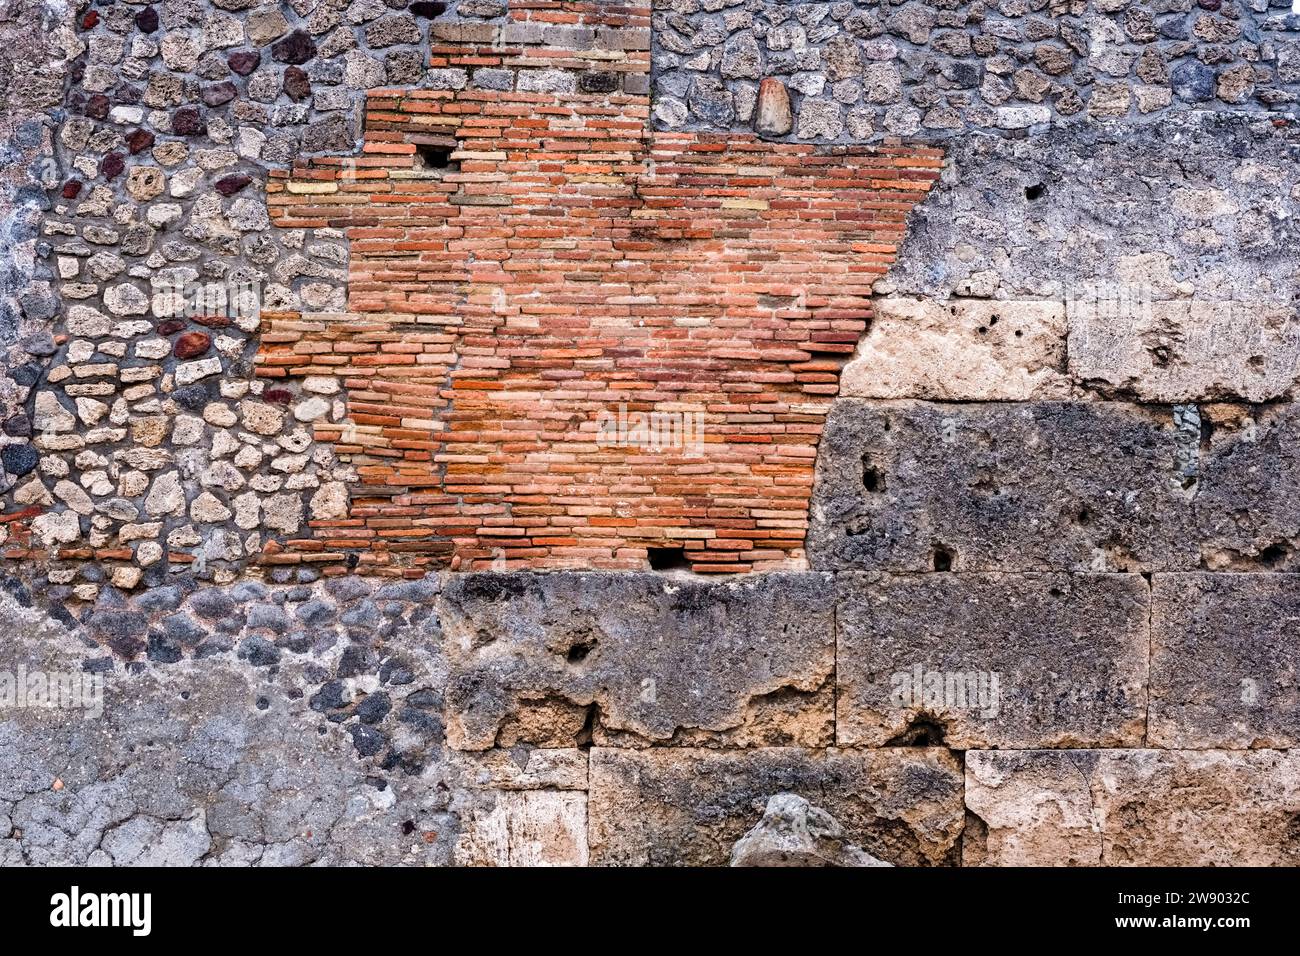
(1248, 496)
(553, 660)
(991, 660)
(1185, 350)
(795, 833)
(1132, 808)
(525, 828)
(773, 115)
(1224, 660)
(960, 350)
(915, 486)
(675, 807)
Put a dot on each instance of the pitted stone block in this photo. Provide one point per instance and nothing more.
(917, 486)
(564, 658)
(1224, 661)
(991, 660)
(687, 807)
(1131, 808)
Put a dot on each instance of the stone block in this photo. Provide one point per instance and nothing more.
(991, 660)
(960, 350)
(1064, 486)
(1132, 808)
(1224, 660)
(688, 807)
(1185, 350)
(561, 659)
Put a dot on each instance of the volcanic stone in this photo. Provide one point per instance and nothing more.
(192, 344)
(298, 47)
(244, 62)
(229, 185)
(139, 140)
(297, 85)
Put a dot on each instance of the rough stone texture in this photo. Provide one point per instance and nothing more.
(917, 486)
(1132, 808)
(231, 509)
(1170, 251)
(940, 69)
(674, 807)
(795, 833)
(558, 660)
(992, 660)
(961, 350)
(213, 763)
(1224, 661)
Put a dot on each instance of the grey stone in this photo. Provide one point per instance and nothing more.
(795, 833)
(1224, 660)
(916, 486)
(532, 654)
(991, 660)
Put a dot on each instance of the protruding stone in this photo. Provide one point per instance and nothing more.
(297, 48)
(192, 345)
(773, 117)
(795, 833)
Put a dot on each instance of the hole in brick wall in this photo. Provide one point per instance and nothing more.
(667, 559)
(436, 156)
(942, 558)
(1035, 191)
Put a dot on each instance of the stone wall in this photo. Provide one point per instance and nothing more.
(314, 314)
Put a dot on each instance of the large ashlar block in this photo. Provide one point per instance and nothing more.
(565, 659)
(1185, 350)
(1248, 496)
(960, 350)
(1225, 661)
(992, 660)
(1065, 486)
(1132, 808)
(682, 806)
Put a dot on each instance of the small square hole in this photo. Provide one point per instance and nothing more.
(435, 156)
(668, 559)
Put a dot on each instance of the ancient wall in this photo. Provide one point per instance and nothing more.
(383, 379)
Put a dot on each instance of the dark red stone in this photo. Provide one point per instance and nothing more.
(187, 121)
(297, 85)
(89, 21)
(212, 321)
(111, 166)
(297, 48)
(219, 94)
(244, 62)
(138, 140)
(97, 106)
(428, 9)
(229, 185)
(71, 189)
(280, 396)
(170, 326)
(147, 20)
(192, 345)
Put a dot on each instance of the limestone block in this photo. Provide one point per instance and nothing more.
(960, 350)
(526, 828)
(1185, 350)
(1224, 660)
(1087, 486)
(688, 807)
(1132, 808)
